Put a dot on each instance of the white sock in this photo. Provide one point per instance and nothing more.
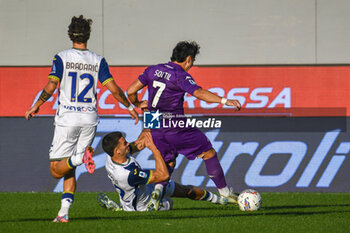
(211, 197)
(214, 198)
(224, 191)
(65, 205)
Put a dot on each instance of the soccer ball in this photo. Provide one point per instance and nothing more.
(249, 200)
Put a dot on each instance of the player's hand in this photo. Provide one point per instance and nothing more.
(31, 112)
(134, 115)
(142, 104)
(144, 109)
(234, 103)
(140, 142)
(149, 141)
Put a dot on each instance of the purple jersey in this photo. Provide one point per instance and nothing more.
(167, 84)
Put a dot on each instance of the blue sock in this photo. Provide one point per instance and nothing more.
(205, 196)
(69, 195)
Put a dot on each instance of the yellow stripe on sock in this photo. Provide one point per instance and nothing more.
(70, 167)
(68, 192)
(205, 193)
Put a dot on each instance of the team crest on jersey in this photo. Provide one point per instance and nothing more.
(191, 80)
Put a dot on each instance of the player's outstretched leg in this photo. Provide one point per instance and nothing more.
(216, 173)
(195, 193)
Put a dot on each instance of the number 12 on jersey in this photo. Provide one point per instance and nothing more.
(81, 95)
(161, 86)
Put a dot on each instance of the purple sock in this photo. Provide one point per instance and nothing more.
(215, 171)
(170, 170)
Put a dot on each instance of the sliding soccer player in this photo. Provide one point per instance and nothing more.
(135, 185)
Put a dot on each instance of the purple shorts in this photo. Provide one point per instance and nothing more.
(190, 142)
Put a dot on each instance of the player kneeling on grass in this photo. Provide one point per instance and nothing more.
(135, 185)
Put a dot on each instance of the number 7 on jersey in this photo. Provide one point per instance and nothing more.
(161, 86)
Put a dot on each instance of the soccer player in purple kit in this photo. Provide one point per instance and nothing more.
(167, 84)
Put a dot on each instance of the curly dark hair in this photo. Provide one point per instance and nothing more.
(79, 29)
(111, 141)
(184, 49)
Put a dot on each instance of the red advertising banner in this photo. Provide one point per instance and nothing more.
(262, 90)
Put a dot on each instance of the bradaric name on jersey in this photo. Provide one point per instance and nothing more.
(81, 66)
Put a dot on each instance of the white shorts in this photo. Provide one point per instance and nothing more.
(70, 141)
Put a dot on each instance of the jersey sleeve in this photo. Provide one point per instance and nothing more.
(104, 76)
(138, 176)
(144, 77)
(187, 84)
(56, 68)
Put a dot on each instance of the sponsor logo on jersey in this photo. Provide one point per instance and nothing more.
(79, 109)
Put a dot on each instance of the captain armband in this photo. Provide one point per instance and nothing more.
(44, 96)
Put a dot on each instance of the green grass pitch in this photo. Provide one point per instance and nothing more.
(280, 212)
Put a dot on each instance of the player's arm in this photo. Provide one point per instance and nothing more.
(118, 94)
(161, 173)
(210, 97)
(132, 94)
(139, 144)
(45, 95)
